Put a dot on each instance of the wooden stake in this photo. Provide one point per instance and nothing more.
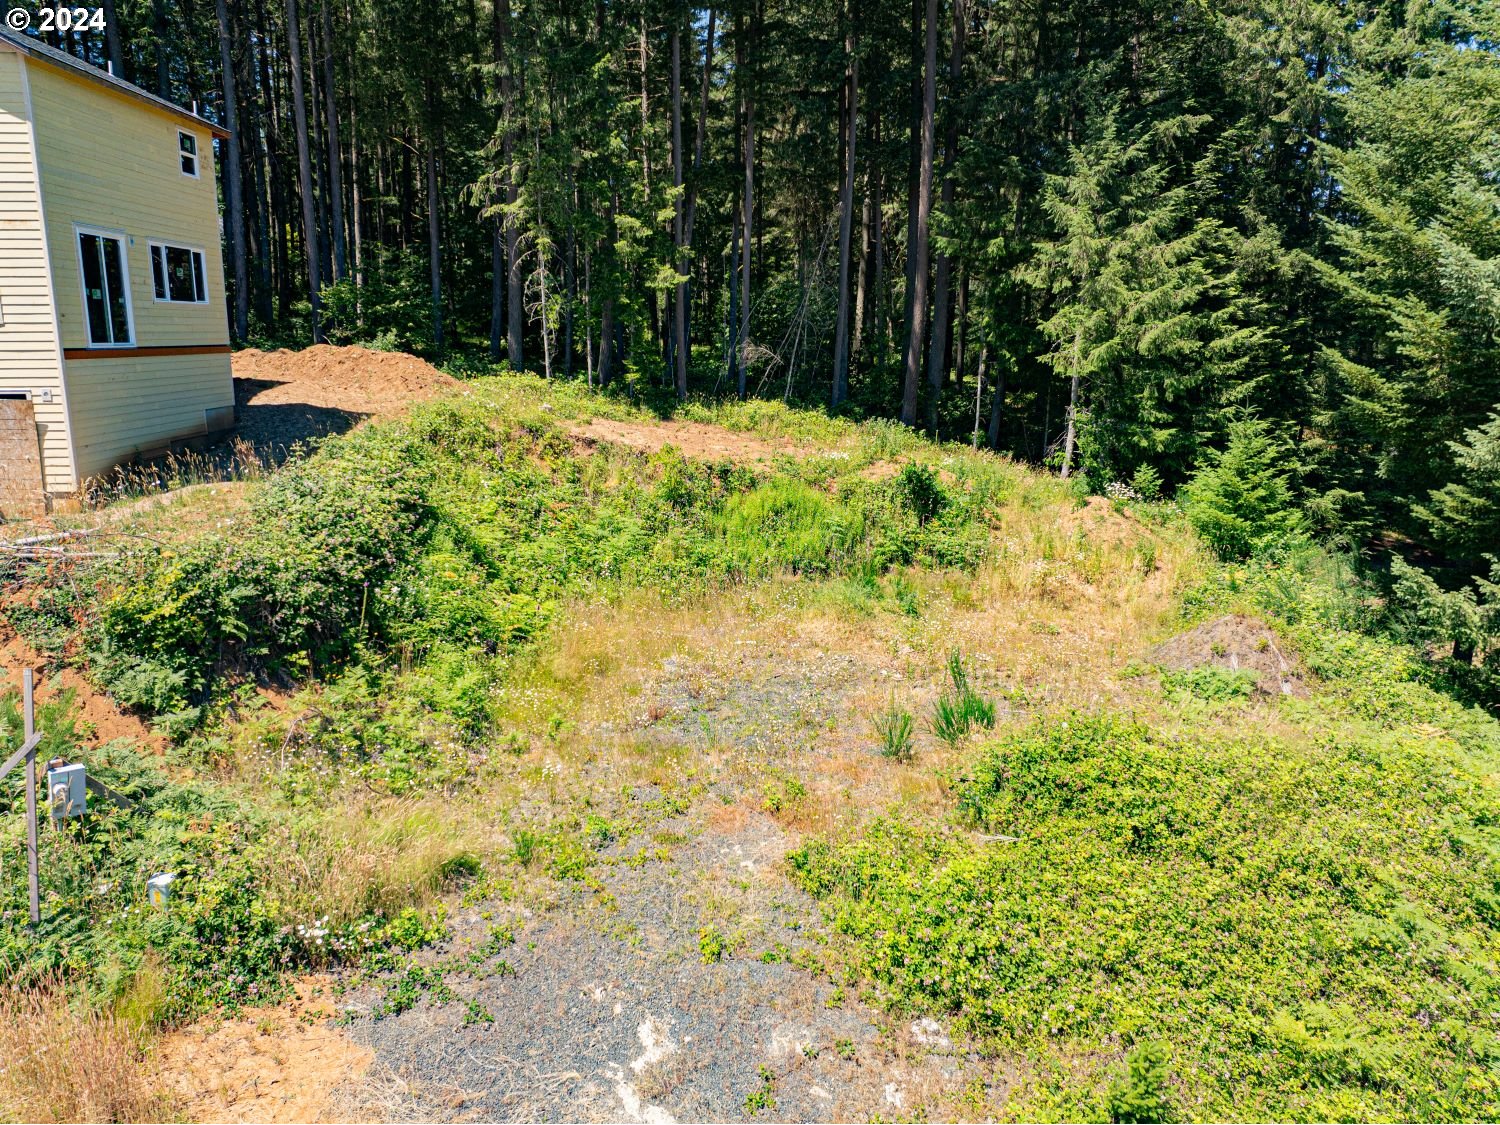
(33, 874)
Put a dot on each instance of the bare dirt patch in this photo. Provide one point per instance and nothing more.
(1235, 643)
(697, 440)
(282, 1064)
(284, 397)
(102, 720)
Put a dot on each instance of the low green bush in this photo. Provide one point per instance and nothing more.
(1310, 925)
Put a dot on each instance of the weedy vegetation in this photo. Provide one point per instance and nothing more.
(1152, 895)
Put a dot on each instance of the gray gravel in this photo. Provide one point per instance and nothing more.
(612, 1014)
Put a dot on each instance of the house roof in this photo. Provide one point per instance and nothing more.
(35, 48)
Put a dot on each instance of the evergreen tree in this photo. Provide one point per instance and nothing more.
(1464, 515)
(1241, 501)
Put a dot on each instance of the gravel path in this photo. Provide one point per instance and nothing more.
(606, 1008)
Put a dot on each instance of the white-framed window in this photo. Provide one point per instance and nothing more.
(105, 274)
(177, 274)
(187, 153)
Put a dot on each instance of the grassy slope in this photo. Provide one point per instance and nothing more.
(1295, 899)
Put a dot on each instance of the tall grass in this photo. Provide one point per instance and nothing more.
(375, 858)
(238, 460)
(62, 1060)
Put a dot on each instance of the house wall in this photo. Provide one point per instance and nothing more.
(110, 162)
(29, 357)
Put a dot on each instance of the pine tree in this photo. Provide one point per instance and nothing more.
(1464, 515)
(1146, 328)
(1241, 501)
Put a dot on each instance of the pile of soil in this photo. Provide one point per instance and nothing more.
(693, 439)
(354, 379)
(1236, 643)
(284, 397)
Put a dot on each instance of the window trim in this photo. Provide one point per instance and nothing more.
(158, 244)
(123, 239)
(196, 154)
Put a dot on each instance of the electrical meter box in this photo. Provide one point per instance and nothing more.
(68, 792)
(159, 889)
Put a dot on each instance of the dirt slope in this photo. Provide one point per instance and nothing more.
(102, 719)
(694, 439)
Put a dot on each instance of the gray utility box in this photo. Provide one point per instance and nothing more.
(67, 792)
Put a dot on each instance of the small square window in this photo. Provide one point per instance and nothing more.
(187, 151)
(178, 275)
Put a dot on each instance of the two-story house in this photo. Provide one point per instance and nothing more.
(114, 339)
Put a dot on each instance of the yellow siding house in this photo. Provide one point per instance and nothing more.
(112, 318)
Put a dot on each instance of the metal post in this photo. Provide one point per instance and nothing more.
(33, 876)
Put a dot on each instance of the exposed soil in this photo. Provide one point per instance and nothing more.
(694, 439)
(1234, 643)
(281, 1064)
(284, 397)
(103, 721)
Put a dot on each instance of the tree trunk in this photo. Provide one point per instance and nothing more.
(732, 332)
(304, 169)
(434, 232)
(846, 221)
(1072, 430)
(917, 331)
(937, 353)
(112, 44)
(159, 27)
(679, 311)
(997, 401)
(701, 135)
(515, 312)
(961, 329)
(746, 228)
(316, 139)
(335, 154)
(607, 306)
(234, 180)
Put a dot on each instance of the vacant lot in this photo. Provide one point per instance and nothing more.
(524, 756)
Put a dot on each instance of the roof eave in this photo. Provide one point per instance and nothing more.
(77, 68)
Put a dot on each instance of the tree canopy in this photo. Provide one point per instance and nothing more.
(1100, 235)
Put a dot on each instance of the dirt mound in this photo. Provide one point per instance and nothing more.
(1236, 643)
(285, 397)
(351, 379)
(695, 439)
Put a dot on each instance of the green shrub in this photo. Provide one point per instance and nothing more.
(1141, 1094)
(1147, 483)
(711, 945)
(917, 486)
(1240, 502)
(1193, 891)
(1214, 685)
(786, 525)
